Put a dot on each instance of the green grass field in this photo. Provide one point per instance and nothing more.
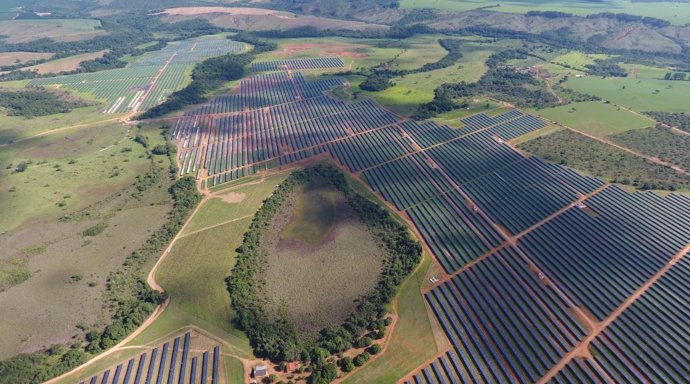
(22, 31)
(642, 94)
(675, 12)
(577, 59)
(595, 118)
(411, 90)
(194, 273)
(412, 342)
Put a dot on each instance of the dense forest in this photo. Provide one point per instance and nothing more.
(279, 341)
(37, 102)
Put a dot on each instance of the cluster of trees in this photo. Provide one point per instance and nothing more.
(278, 340)
(36, 102)
(628, 18)
(396, 31)
(549, 14)
(680, 120)
(337, 9)
(580, 152)
(208, 76)
(500, 81)
(379, 79)
(606, 68)
(678, 76)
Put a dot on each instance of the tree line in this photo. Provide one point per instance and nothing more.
(278, 340)
(210, 75)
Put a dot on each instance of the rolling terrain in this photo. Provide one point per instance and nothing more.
(487, 193)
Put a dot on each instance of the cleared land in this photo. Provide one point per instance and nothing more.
(319, 259)
(85, 174)
(23, 31)
(596, 118)
(12, 58)
(70, 63)
(258, 19)
(675, 12)
(593, 157)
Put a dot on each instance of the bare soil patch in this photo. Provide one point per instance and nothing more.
(327, 49)
(70, 63)
(233, 197)
(12, 58)
(317, 285)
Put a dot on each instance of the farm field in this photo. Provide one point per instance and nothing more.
(676, 12)
(12, 58)
(641, 94)
(596, 118)
(262, 19)
(65, 64)
(22, 31)
(149, 80)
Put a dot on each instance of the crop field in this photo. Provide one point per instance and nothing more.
(12, 58)
(537, 241)
(65, 64)
(185, 359)
(149, 80)
(675, 12)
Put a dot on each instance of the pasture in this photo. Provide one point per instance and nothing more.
(85, 174)
(676, 12)
(12, 58)
(65, 64)
(23, 31)
(595, 118)
(204, 256)
(319, 259)
(640, 94)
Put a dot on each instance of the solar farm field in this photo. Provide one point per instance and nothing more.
(186, 359)
(149, 80)
(543, 271)
(298, 64)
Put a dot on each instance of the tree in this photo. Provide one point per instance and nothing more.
(346, 364)
(374, 349)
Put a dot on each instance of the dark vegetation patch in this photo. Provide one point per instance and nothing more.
(615, 165)
(379, 79)
(500, 81)
(37, 102)
(279, 340)
(606, 68)
(679, 120)
(13, 271)
(658, 142)
(318, 259)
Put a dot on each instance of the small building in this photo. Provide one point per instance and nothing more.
(260, 371)
(291, 366)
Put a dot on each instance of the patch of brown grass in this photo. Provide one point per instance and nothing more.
(11, 58)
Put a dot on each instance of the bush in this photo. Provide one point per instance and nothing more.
(374, 349)
(361, 359)
(96, 229)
